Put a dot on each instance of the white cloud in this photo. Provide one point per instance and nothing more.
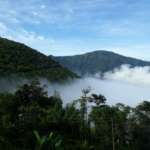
(76, 25)
(136, 75)
(32, 39)
(33, 11)
(43, 6)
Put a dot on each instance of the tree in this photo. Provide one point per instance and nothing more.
(140, 126)
(50, 142)
(98, 99)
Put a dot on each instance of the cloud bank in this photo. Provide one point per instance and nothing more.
(125, 84)
(115, 91)
(136, 75)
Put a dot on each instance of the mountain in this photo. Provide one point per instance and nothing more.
(97, 61)
(20, 60)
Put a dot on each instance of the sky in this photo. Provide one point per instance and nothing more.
(68, 27)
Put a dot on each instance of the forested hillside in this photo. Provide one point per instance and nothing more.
(97, 61)
(19, 59)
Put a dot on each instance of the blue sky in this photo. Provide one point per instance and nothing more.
(68, 27)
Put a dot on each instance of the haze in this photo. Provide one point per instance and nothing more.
(122, 85)
(126, 85)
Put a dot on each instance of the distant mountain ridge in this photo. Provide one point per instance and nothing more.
(23, 61)
(97, 61)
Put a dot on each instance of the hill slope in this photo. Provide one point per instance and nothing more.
(19, 59)
(97, 61)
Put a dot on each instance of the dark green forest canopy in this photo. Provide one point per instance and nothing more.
(32, 120)
(19, 59)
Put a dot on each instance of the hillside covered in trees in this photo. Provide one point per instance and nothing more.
(32, 120)
(23, 61)
(97, 61)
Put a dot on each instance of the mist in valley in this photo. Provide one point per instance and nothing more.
(115, 91)
(122, 85)
(10, 84)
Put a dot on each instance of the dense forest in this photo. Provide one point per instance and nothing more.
(17, 59)
(97, 61)
(32, 120)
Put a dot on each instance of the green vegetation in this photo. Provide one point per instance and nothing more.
(49, 142)
(98, 61)
(19, 60)
(31, 120)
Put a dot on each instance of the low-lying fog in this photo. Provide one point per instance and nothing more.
(125, 85)
(115, 91)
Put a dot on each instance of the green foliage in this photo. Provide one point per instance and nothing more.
(31, 120)
(50, 142)
(20, 60)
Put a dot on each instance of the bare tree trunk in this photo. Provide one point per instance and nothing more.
(113, 136)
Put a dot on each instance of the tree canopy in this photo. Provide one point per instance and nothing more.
(32, 120)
